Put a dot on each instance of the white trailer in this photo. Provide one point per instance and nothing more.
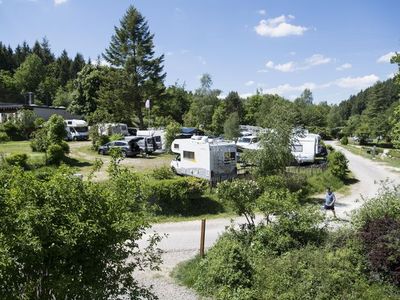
(204, 158)
(306, 147)
(77, 130)
(113, 128)
(157, 134)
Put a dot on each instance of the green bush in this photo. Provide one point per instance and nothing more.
(55, 154)
(394, 153)
(225, 272)
(13, 129)
(319, 182)
(316, 273)
(64, 145)
(162, 173)
(175, 196)
(39, 142)
(4, 137)
(116, 137)
(344, 140)
(19, 160)
(96, 138)
(337, 164)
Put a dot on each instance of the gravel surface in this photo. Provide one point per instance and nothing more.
(183, 238)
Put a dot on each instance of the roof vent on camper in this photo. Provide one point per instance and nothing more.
(204, 139)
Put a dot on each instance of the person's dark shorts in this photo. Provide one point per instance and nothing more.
(327, 207)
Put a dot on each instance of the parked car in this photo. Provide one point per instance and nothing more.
(128, 148)
(147, 144)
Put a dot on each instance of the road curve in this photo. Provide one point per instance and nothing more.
(182, 241)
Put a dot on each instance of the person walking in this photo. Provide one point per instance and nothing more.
(330, 200)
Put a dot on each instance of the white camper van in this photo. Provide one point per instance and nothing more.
(113, 128)
(77, 130)
(306, 147)
(157, 134)
(250, 142)
(205, 158)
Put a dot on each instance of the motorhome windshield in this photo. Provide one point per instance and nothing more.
(245, 140)
(81, 129)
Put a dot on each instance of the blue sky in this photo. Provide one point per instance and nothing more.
(335, 48)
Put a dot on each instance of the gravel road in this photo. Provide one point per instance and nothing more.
(183, 238)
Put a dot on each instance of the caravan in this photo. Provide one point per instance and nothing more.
(77, 130)
(306, 147)
(113, 128)
(204, 158)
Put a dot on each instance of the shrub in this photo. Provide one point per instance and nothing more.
(381, 240)
(4, 137)
(316, 273)
(240, 196)
(394, 153)
(116, 137)
(55, 154)
(226, 271)
(337, 164)
(319, 182)
(271, 182)
(55, 128)
(97, 139)
(64, 145)
(162, 173)
(330, 148)
(19, 160)
(13, 129)
(174, 196)
(344, 140)
(39, 142)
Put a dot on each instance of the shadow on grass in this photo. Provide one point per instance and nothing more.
(77, 163)
(350, 181)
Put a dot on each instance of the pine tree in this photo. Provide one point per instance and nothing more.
(132, 49)
(64, 68)
(77, 64)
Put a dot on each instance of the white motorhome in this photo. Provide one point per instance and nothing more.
(113, 128)
(157, 134)
(250, 142)
(205, 158)
(77, 130)
(306, 147)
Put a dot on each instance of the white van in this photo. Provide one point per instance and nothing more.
(157, 134)
(77, 130)
(251, 142)
(204, 158)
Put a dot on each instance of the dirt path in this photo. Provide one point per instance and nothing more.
(183, 237)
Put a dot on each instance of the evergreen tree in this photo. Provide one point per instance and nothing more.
(64, 68)
(77, 64)
(132, 49)
(6, 58)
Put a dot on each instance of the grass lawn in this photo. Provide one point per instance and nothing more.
(20, 147)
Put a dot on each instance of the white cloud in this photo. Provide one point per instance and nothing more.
(357, 82)
(202, 60)
(391, 75)
(288, 88)
(317, 59)
(169, 53)
(314, 60)
(344, 67)
(262, 71)
(292, 53)
(279, 27)
(59, 2)
(385, 58)
(249, 83)
(101, 62)
(262, 12)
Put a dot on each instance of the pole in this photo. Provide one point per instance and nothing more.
(202, 236)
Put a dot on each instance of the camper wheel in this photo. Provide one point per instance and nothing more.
(173, 170)
(123, 153)
(102, 152)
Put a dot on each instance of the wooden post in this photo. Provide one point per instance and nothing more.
(202, 236)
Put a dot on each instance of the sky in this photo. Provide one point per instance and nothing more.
(335, 48)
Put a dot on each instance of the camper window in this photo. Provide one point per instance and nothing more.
(188, 155)
(297, 148)
(176, 146)
(229, 156)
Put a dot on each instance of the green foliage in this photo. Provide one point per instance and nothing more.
(96, 138)
(64, 238)
(17, 159)
(240, 196)
(30, 74)
(344, 140)
(132, 49)
(39, 141)
(4, 137)
(162, 173)
(172, 130)
(174, 196)
(317, 183)
(338, 164)
(13, 129)
(55, 154)
(226, 271)
(55, 128)
(316, 273)
(231, 127)
(116, 137)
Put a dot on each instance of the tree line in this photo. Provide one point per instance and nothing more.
(133, 73)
